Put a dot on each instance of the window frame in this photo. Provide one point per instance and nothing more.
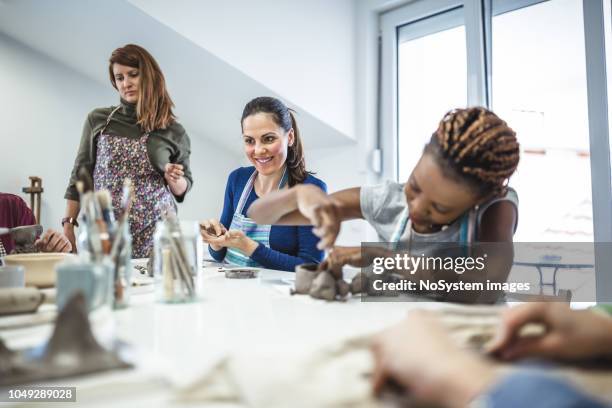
(478, 15)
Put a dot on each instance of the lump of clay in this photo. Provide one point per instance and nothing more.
(343, 288)
(327, 285)
(360, 284)
(71, 350)
(357, 284)
(304, 275)
(323, 286)
(24, 238)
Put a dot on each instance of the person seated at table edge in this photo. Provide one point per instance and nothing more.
(14, 212)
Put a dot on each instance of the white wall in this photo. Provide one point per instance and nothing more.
(307, 52)
(43, 105)
(318, 55)
(42, 110)
(302, 50)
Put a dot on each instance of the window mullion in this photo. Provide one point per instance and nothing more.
(599, 142)
(478, 14)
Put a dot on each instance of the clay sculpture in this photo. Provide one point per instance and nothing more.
(325, 285)
(356, 285)
(241, 273)
(304, 275)
(24, 237)
(72, 350)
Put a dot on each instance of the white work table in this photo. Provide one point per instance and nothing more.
(245, 314)
(176, 342)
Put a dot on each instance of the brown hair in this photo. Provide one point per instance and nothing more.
(285, 118)
(154, 107)
(474, 145)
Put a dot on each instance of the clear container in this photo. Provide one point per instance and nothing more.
(12, 276)
(122, 276)
(190, 231)
(176, 261)
(82, 240)
(93, 280)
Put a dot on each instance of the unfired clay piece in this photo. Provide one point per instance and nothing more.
(323, 286)
(357, 284)
(320, 284)
(241, 273)
(304, 275)
(24, 238)
(343, 288)
(72, 350)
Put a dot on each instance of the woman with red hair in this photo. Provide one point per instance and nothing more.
(138, 139)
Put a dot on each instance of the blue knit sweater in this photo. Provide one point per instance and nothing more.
(289, 245)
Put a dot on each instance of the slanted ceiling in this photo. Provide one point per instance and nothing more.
(209, 93)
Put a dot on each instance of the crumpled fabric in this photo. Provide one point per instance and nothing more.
(338, 375)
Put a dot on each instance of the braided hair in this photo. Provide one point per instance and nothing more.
(475, 146)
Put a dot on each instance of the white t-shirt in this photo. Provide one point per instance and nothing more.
(382, 206)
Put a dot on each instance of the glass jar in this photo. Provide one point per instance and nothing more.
(122, 277)
(175, 261)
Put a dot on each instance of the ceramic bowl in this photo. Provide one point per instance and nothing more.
(39, 267)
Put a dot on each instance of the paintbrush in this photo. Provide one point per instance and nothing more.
(178, 246)
(126, 204)
(120, 236)
(88, 213)
(98, 241)
(93, 236)
(177, 272)
(106, 205)
(101, 203)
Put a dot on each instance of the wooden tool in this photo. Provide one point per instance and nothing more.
(35, 190)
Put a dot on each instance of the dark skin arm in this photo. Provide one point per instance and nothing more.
(497, 226)
(498, 223)
(308, 205)
(495, 238)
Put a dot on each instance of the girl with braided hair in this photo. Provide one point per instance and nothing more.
(457, 192)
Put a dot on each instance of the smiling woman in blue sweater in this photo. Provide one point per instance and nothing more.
(272, 144)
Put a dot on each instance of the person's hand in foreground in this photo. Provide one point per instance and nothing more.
(53, 241)
(419, 354)
(568, 334)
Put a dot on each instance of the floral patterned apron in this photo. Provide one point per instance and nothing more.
(121, 157)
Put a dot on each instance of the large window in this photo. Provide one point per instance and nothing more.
(540, 65)
(539, 87)
(432, 78)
